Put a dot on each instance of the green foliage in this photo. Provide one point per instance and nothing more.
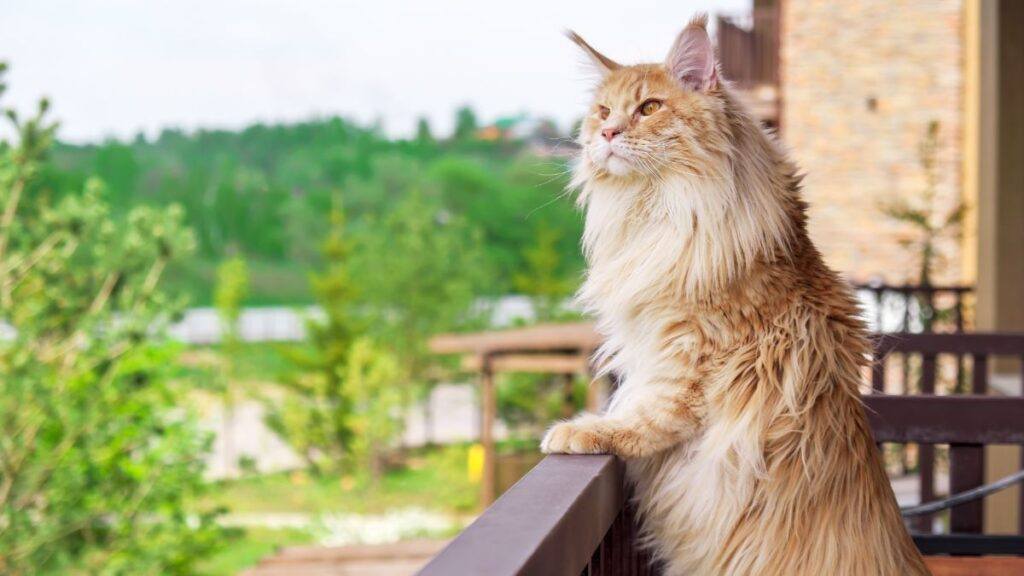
(529, 401)
(542, 280)
(246, 547)
(373, 383)
(424, 135)
(96, 472)
(266, 193)
(466, 124)
(315, 417)
(229, 294)
(925, 215)
(420, 268)
(433, 479)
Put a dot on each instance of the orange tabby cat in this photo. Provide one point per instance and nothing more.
(739, 350)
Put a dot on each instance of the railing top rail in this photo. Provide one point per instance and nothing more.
(959, 419)
(999, 344)
(548, 524)
(573, 336)
(916, 288)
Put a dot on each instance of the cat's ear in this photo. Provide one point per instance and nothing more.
(602, 63)
(691, 60)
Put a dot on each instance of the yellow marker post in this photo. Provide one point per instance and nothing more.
(475, 463)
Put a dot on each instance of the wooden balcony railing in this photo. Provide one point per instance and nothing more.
(917, 308)
(570, 515)
(748, 47)
(962, 363)
(566, 516)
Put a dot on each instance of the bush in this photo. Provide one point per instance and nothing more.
(96, 467)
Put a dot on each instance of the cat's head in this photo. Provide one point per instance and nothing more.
(649, 119)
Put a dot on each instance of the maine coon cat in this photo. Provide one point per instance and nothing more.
(739, 351)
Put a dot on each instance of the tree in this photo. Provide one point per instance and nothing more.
(930, 224)
(266, 190)
(421, 269)
(231, 290)
(542, 279)
(315, 418)
(373, 382)
(424, 135)
(465, 124)
(99, 463)
(229, 294)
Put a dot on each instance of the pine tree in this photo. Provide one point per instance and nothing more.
(316, 418)
(542, 280)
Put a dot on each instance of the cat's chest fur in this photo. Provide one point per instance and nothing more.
(650, 258)
(636, 240)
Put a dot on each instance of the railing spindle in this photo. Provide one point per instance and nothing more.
(878, 309)
(967, 464)
(878, 372)
(958, 309)
(926, 452)
(966, 471)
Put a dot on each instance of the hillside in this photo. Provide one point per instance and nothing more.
(265, 192)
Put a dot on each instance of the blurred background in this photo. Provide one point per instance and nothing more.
(236, 239)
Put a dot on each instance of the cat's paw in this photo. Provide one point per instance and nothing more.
(573, 438)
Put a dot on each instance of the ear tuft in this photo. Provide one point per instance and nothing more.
(699, 20)
(603, 63)
(691, 60)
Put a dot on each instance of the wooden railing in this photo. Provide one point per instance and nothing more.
(748, 47)
(962, 363)
(918, 308)
(569, 516)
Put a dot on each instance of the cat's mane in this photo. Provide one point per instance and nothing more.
(739, 351)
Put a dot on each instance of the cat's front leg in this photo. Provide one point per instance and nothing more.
(664, 416)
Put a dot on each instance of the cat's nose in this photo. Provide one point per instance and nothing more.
(610, 133)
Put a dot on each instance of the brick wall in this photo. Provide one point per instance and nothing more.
(860, 83)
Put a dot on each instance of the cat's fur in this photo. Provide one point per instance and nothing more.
(739, 351)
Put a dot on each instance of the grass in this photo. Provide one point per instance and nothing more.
(247, 547)
(434, 479)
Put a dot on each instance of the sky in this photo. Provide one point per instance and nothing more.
(113, 68)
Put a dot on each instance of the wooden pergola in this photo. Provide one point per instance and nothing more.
(562, 349)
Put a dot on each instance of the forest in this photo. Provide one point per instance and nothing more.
(264, 193)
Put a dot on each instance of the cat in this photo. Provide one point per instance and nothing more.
(739, 351)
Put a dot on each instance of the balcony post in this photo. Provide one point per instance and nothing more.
(488, 409)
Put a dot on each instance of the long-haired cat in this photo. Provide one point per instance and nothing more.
(739, 351)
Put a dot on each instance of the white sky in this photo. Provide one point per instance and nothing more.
(114, 67)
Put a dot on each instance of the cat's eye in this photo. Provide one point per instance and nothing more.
(650, 107)
(603, 112)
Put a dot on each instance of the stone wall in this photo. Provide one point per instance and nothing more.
(860, 83)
